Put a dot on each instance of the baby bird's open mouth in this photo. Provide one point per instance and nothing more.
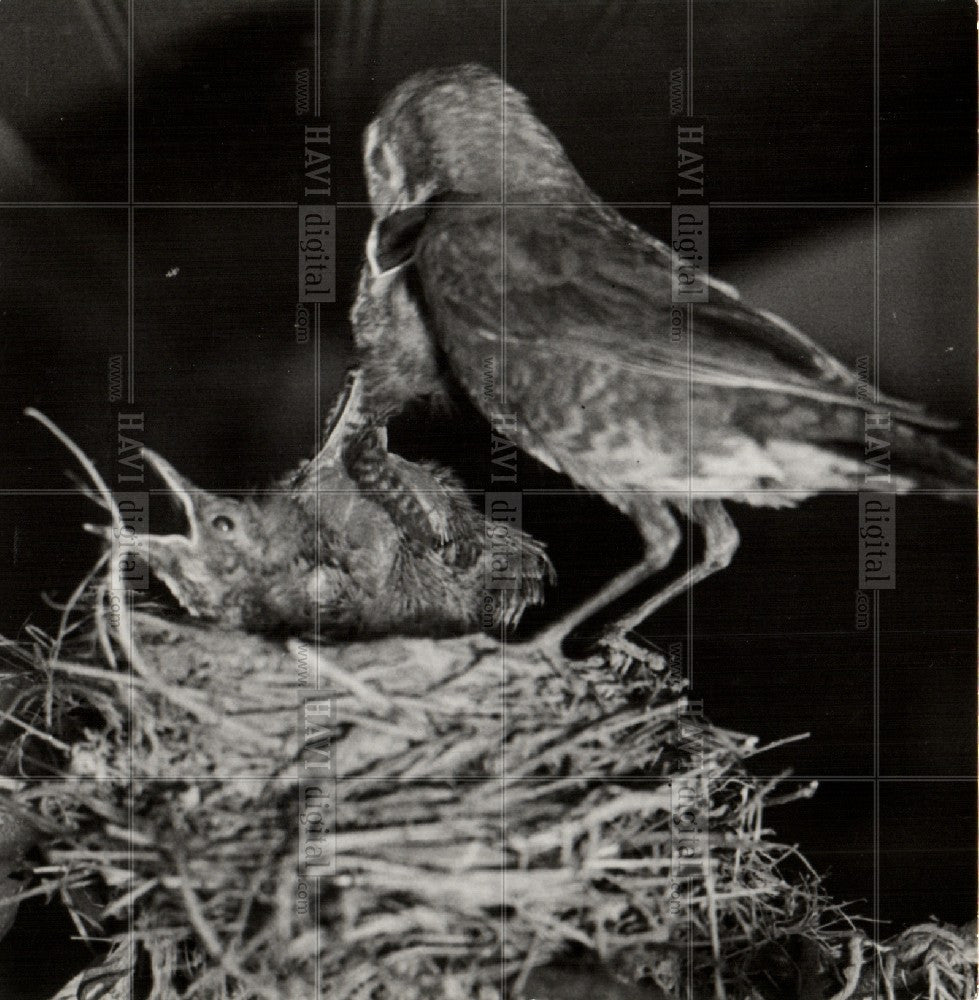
(181, 495)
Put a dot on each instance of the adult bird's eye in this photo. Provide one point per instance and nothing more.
(376, 159)
(223, 523)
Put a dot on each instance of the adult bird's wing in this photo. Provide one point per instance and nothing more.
(582, 280)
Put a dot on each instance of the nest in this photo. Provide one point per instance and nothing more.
(415, 818)
(258, 819)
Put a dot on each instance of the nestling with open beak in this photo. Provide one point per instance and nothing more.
(325, 554)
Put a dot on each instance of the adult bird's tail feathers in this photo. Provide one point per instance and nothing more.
(899, 453)
(932, 464)
(876, 446)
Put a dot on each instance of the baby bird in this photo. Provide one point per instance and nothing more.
(332, 553)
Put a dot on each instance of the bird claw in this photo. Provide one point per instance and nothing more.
(545, 646)
(618, 650)
(622, 652)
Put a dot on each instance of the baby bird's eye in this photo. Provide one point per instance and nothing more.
(223, 523)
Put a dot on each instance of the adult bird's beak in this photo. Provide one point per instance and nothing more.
(396, 235)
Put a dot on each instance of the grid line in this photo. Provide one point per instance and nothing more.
(136, 203)
(436, 778)
(128, 598)
(800, 495)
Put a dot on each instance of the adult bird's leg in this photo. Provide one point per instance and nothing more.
(662, 537)
(720, 543)
(370, 466)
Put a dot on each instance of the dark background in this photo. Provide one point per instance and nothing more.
(786, 92)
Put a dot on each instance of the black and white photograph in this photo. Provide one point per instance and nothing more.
(489, 500)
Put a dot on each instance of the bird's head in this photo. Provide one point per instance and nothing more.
(295, 557)
(208, 566)
(445, 131)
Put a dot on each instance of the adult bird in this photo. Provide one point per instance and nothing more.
(548, 307)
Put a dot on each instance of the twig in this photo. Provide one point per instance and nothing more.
(853, 970)
(374, 699)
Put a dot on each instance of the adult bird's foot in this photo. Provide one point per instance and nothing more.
(546, 645)
(623, 652)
